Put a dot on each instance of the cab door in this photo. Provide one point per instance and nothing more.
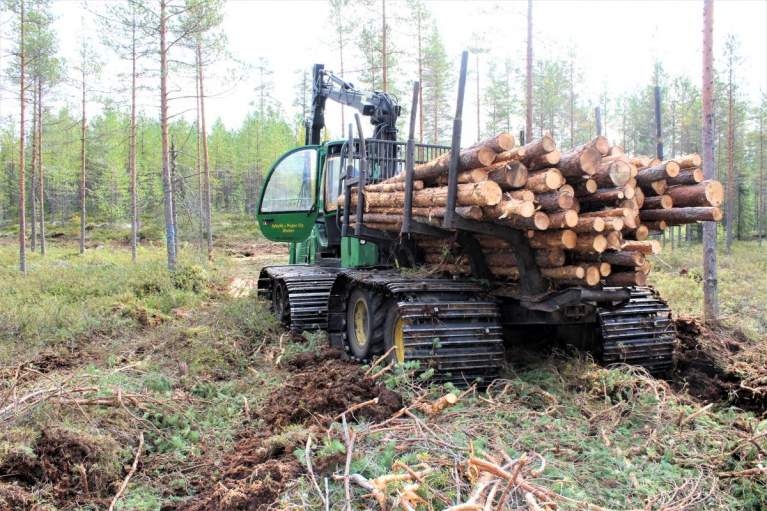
(287, 208)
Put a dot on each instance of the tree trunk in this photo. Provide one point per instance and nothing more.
(169, 234)
(40, 196)
(206, 161)
(200, 208)
(132, 157)
(22, 143)
(706, 194)
(384, 52)
(33, 192)
(679, 216)
(529, 83)
(82, 169)
(730, 166)
(710, 282)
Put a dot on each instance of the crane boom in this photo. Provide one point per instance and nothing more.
(381, 107)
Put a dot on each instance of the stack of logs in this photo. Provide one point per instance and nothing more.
(587, 212)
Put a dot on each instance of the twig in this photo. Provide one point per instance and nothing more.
(308, 456)
(356, 407)
(130, 473)
(744, 473)
(379, 360)
(349, 449)
(695, 414)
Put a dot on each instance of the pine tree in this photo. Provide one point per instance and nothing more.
(436, 86)
(732, 59)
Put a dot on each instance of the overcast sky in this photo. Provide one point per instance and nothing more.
(617, 41)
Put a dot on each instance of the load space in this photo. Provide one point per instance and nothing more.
(587, 213)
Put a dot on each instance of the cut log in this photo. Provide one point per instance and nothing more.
(614, 240)
(604, 195)
(624, 212)
(626, 279)
(487, 193)
(470, 212)
(508, 174)
(564, 272)
(639, 233)
(554, 201)
(615, 157)
(616, 149)
(615, 223)
(437, 407)
(510, 207)
(589, 225)
(689, 161)
(640, 161)
(621, 258)
(600, 144)
(526, 195)
(654, 189)
(576, 205)
(654, 162)
(553, 239)
(686, 177)
(592, 273)
(389, 187)
(499, 143)
(590, 243)
(467, 176)
(639, 197)
(538, 221)
(585, 187)
(645, 268)
(545, 161)
(664, 170)
(647, 247)
(512, 154)
(679, 216)
(471, 158)
(543, 258)
(539, 147)
(563, 219)
(661, 202)
(707, 193)
(658, 227)
(610, 175)
(542, 181)
(577, 163)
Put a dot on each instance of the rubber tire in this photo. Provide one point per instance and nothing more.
(281, 302)
(392, 312)
(376, 316)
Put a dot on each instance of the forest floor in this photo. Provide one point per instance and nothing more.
(106, 365)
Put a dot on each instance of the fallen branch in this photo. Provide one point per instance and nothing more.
(358, 406)
(695, 414)
(308, 457)
(130, 473)
(380, 359)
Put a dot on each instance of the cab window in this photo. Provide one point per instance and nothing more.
(291, 185)
(332, 171)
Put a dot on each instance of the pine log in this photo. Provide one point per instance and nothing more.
(585, 187)
(620, 258)
(634, 172)
(508, 174)
(640, 161)
(639, 233)
(626, 279)
(576, 205)
(645, 268)
(563, 219)
(566, 188)
(538, 148)
(389, 187)
(576, 163)
(686, 177)
(624, 212)
(707, 193)
(604, 195)
(610, 175)
(614, 240)
(658, 227)
(589, 225)
(471, 212)
(467, 176)
(512, 154)
(647, 247)
(538, 221)
(470, 158)
(486, 193)
(554, 201)
(629, 191)
(526, 195)
(679, 216)
(542, 181)
(615, 157)
(590, 243)
(499, 143)
(510, 207)
(660, 202)
(616, 149)
(543, 258)
(600, 144)
(564, 272)
(657, 173)
(591, 273)
(654, 189)
(615, 223)
(689, 160)
(545, 161)
(553, 239)
(654, 162)
(639, 197)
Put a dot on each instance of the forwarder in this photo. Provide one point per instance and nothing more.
(352, 281)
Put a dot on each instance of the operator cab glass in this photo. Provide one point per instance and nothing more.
(287, 210)
(332, 172)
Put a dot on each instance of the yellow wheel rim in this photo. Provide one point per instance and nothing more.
(399, 339)
(361, 323)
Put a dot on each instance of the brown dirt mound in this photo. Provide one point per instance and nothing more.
(58, 460)
(326, 387)
(13, 497)
(712, 362)
(254, 474)
(44, 362)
